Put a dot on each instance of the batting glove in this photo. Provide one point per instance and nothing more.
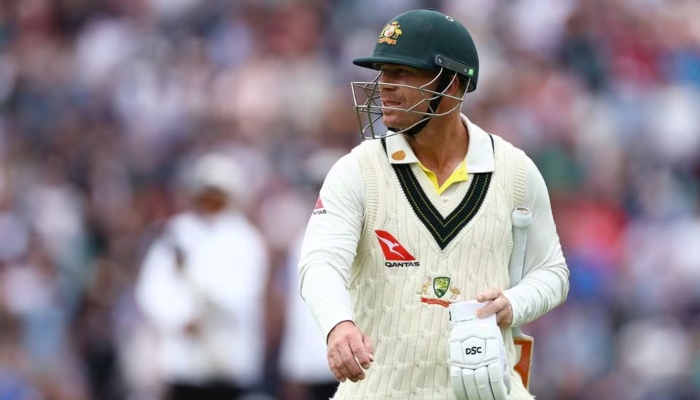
(479, 368)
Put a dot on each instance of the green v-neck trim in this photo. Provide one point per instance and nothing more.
(443, 229)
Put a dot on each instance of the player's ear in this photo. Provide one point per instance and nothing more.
(455, 86)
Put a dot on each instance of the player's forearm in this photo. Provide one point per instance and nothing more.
(324, 290)
(538, 293)
(324, 271)
(546, 281)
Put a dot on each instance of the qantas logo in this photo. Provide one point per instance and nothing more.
(394, 253)
(319, 209)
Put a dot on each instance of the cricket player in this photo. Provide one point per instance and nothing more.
(405, 260)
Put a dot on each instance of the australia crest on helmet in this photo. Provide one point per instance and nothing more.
(390, 33)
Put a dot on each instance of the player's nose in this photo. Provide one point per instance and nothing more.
(387, 90)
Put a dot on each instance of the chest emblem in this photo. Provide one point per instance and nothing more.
(443, 291)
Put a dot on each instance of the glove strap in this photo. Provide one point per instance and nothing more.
(464, 311)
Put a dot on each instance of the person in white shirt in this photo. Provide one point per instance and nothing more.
(412, 232)
(202, 288)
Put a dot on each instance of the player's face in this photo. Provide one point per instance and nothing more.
(404, 97)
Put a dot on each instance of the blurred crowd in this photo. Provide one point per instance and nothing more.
(103, 104)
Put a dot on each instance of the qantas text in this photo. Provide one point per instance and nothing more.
(390, 264)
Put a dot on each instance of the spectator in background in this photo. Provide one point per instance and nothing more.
(202, 287)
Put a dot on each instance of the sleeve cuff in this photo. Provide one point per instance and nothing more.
(517, 305)
(329, 313)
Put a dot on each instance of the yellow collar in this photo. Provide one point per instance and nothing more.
(458, 175)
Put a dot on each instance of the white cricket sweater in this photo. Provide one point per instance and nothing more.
(400, 306)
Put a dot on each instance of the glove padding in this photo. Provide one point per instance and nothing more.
(478, 364)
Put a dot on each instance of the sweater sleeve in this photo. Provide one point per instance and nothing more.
(330, 244)
(545, 283)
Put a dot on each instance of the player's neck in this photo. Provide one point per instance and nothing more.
(442, 144)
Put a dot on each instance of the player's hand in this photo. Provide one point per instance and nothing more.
(500, 305)
(349, 352)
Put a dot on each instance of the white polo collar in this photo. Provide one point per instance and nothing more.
(479, 156)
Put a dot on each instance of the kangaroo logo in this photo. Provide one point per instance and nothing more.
(392, 249)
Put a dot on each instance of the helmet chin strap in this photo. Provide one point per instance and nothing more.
(443, 83)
